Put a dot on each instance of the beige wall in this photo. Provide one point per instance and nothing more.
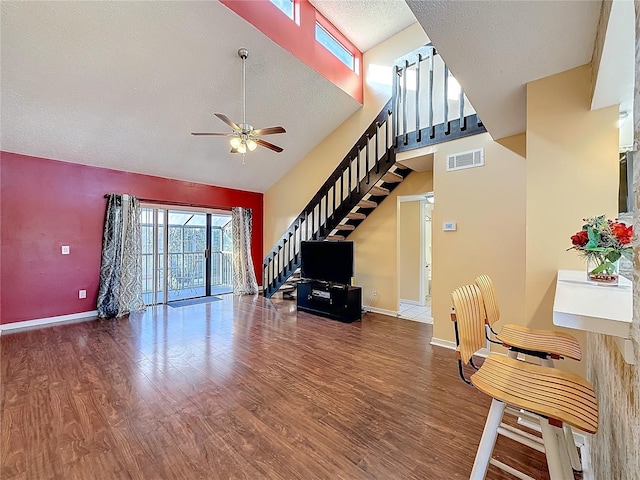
(285, 200)
(572, 173)
(488, 204)
(375, 245)
(409, 251)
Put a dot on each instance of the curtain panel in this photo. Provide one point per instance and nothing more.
(244, 276)
(120, 289)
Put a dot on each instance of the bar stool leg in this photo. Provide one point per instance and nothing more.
(557, 460)
(488, 440)
(576, 464)
(568, 432)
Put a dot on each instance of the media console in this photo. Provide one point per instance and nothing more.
(339, 302)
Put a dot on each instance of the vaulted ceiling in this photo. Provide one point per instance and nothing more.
(122, 84)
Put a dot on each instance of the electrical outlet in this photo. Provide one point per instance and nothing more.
(65, 249)
(82, 294)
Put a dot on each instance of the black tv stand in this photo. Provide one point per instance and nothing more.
(332, 300)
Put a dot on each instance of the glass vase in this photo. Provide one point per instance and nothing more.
(602, 272)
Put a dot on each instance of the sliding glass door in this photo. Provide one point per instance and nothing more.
(221, 263)
(198, 260)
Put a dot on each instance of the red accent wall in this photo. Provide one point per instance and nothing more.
(300, 40)
(45, 204)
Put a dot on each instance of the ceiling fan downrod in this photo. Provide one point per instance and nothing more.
(243, 53)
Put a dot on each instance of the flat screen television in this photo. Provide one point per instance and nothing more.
(330, 262)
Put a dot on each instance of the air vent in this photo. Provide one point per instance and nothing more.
(470, 159)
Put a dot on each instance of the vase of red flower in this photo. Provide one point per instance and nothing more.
(602, 242)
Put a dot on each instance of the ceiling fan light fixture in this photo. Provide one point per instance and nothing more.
(251, 145)
(242, 148)
(235, 142)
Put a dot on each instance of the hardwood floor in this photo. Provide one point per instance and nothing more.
(241, 388)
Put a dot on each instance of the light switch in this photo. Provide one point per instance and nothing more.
(449, 226)
(82, 294)
(65, 249)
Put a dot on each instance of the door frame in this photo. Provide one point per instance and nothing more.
(422, 198)
(166, 208)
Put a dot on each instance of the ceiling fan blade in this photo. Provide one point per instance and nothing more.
(270, 130)
(268, 145)
(216, 134)
(227, 120)
(233, 150)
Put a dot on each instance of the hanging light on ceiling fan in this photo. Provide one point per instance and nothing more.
(244, 137)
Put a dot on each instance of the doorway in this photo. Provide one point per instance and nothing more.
(414, 262)
(198, 262)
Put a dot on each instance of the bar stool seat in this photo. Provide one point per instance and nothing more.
(523, 339)
(558, 395)
(555, 343)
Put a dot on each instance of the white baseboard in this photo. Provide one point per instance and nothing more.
(428, 321)
(381, 311)
(409, 302)
(41, 322)
(438, 342)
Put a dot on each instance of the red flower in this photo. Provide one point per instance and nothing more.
(623, 233)
(580, 239)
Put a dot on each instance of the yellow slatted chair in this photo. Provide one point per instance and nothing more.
(545, 394)
(546, 345)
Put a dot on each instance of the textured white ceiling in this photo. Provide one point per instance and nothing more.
(495, 47)
(122, 85)
(366, 23)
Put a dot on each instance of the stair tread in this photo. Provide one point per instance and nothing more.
(343, 226)
(356, 216)
(378, 191)
(391, 177)
(367, 204)
(335, 237)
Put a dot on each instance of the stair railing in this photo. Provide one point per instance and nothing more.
(365, 164)
(430, 104)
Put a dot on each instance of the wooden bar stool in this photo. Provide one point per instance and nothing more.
(549, 395)
(545, 345)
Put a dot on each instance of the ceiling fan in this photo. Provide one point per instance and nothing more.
(244, 137)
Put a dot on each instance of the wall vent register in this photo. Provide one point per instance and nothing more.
(462, 160)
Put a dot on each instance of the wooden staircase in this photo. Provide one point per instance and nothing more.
(366, 175)
(369, 173)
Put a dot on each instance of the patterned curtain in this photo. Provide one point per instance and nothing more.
(244, 276)
(121, 270)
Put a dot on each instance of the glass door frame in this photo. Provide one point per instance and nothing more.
(161, 212)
